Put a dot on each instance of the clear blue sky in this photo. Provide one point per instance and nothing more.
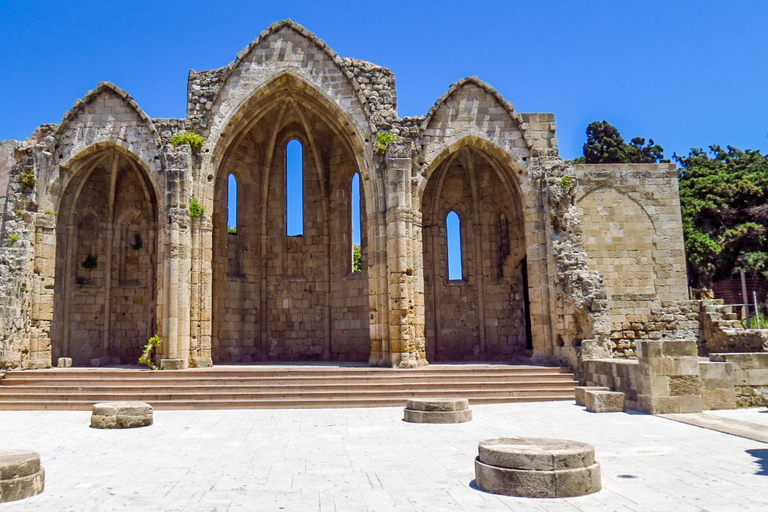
(687, 74)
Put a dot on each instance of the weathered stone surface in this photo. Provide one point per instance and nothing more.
(20, 475)
(64, 362)
(537, 468)
(604, 401)
(121, 415)
(580, 392)
(437, 410)
(437, 404)
(412, 416)
(536, 453)
(172, 364)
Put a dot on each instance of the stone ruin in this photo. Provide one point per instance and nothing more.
(561, 263)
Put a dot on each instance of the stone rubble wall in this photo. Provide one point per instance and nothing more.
(19, 207)
(721, 331)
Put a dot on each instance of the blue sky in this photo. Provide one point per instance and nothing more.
(687, 74)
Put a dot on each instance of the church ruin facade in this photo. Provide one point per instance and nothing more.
(112, 234)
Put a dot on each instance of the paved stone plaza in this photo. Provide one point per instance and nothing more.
(371, 460)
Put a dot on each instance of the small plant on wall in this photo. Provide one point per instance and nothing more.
(194, 140)
(196, 210)
(146, 355)
(28, 179)
(383, 139)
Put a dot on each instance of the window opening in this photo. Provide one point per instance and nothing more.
(294, 165)
(357, 257)
(453, 237)
(232, 204)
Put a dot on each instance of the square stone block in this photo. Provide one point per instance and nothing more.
(64, 362)
(604, 401)
(580, 392)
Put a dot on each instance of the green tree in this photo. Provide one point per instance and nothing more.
(605, 145)
(724, 201)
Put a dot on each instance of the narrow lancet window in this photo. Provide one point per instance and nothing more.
(294, 166)
(453, 237)
(357, 258)
(231, 204)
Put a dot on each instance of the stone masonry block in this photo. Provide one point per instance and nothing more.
(581, 391)
(604, 401)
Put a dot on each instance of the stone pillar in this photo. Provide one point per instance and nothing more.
(405, 281)
(174, 292)
(43, 274)
(669, 377)
(202, 293)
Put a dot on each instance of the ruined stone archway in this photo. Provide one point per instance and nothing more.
(485, 314)
(280, 297)
(105, 292)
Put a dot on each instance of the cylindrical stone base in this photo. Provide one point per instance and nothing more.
(437, 410)
(121, 415)
(537, 468)
(20, 475)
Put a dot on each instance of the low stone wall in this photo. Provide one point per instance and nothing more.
(717, 389)
(669, 377)
(750, 377)
(618, 374)
(672, 319)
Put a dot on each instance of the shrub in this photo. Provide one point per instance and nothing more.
(383, 139)
(13, 238)
(194, 140)
(146, 355)
(28, 179)
(196, 210)
(357, 259)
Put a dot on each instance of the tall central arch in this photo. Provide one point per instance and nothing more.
(482, 313)
(278, 296)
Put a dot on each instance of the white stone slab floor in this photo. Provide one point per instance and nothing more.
(370, 460)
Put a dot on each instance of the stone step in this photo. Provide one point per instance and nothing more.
(286, 386)
(150, 395)
(87, 405)
(260, 372)
(287, 381)
(57, 387)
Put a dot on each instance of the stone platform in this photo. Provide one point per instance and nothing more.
(20, 475)
(121, 415)
(437, 410)
(537, 468)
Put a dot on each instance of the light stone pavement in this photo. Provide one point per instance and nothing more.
(370, 460)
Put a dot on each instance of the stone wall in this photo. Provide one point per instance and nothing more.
(633, 236)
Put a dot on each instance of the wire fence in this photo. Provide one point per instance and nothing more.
(753, 315)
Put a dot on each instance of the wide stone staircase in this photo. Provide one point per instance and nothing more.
(287, 386)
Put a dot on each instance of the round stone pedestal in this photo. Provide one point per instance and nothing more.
(437, 410)
(537, 468)
(20, 475)
(121, 415)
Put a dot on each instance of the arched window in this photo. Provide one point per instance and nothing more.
(294, 200)
(231, 204)
(453, 238)
(355, 194)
